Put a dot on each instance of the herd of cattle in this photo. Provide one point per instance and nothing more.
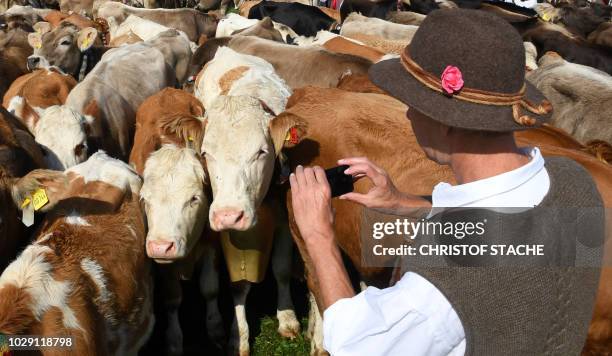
(167, 135)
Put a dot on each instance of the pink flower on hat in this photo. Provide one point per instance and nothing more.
(452, 79)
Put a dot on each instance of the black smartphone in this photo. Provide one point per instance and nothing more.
(339, 182)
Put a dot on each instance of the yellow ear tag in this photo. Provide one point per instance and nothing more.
(190, 138)
(39, 198)
(25, 203)
(85, 42)
(546, 17)
(38, 45)
(288, 137)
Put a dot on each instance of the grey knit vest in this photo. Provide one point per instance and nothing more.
(543, 307)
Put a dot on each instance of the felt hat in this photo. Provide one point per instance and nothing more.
(466, 69)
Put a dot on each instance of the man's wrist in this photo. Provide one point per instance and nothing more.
(319, 240)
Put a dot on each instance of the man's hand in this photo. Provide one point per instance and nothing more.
(311, 201)
(312, 210)
(383, 196)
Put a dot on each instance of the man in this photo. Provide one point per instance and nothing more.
(462, 77)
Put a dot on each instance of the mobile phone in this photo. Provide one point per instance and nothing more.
(339, 182)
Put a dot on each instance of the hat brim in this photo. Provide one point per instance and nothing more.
(391, 76)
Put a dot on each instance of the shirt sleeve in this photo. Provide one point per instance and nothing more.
(411, 317)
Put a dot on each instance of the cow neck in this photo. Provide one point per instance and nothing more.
(88, 60)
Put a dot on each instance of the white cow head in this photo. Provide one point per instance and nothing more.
(62, 132)
(241, 142)
(175, 202)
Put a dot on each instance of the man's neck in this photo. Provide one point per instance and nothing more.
(470, 167)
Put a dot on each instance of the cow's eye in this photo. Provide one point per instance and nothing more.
(194, 200)
(79, 149)
(261, 153)
(65, 43)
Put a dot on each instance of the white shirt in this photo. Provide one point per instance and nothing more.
(413, 317)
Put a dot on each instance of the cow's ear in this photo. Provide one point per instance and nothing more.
(42, 27)
(287, 130)
(35, 40)
(548, 12)
(54, 184)
(86, 38)
(267, 23)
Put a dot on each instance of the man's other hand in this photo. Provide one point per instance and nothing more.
(383, 196)
(311, 201)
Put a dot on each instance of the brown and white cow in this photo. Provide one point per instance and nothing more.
(581, 96)
(74, 280)
(174, 194)
(192, 22)
(30, 94)
(242, 141)
(298, 66)
(340, 124)
(100, 111)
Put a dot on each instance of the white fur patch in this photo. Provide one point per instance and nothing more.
(132, 231)
(60, 129)
(75, 219)
(96, 273)
(44, 238)
(260, 81)
(31, 272)
(233, 22)
(16, 105)
(103, 168)
(143, 28)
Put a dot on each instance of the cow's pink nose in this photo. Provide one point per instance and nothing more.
(161, 249)
(228, 218)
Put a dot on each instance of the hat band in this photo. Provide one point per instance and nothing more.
(516, 100)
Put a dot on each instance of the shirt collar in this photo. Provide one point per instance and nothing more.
(446, 195)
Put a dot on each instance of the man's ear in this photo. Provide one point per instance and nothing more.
(86, 38)
(42, 27)
(287, 130)
(35, 40)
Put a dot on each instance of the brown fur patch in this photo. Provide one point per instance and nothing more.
(226, 81)
(600, 149)
(15, 313)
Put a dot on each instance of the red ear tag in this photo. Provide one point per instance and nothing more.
(294, 139)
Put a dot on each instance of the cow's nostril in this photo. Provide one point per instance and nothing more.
(33, 62)
(161, 248)
(239, 216)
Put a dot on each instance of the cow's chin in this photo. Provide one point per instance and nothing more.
(163, 261)
(245, 224)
